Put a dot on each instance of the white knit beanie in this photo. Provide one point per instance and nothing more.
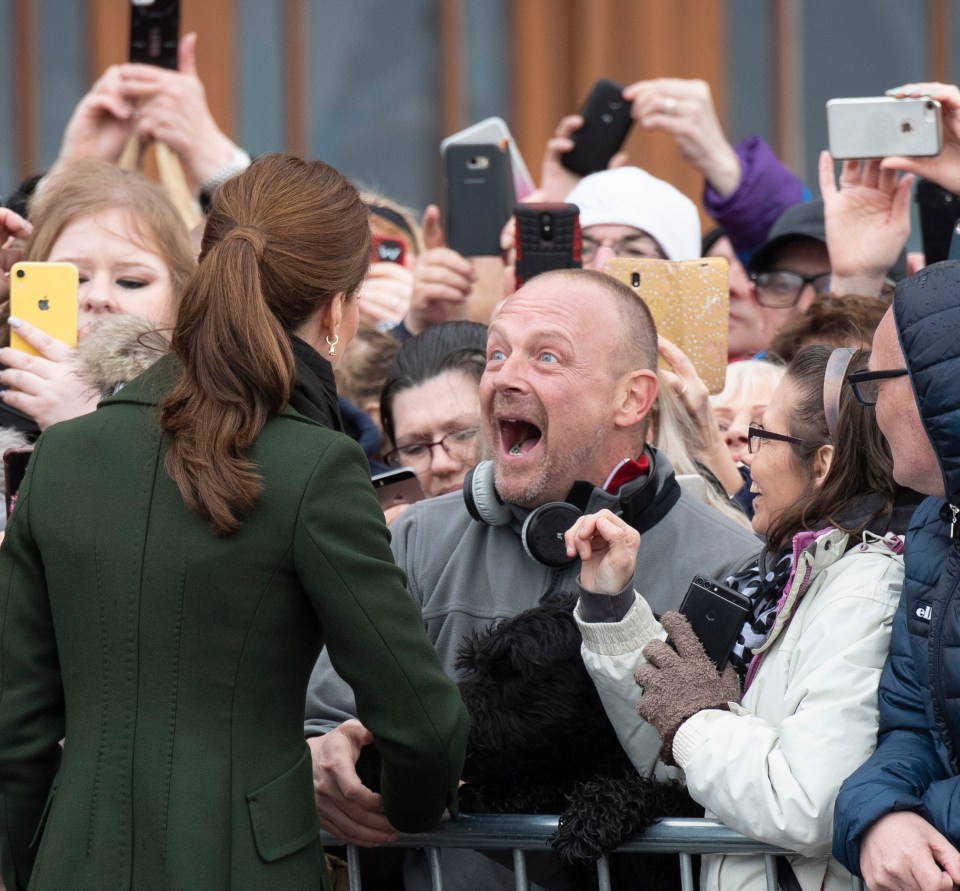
(629, 196)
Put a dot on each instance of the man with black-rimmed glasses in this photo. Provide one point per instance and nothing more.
(897, 818)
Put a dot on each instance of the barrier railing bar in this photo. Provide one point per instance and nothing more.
(603, 874)
(686, 872)
(353, 868)
(436, 872)
(770, 871)
(532, 832)
(523, 832)
(520, 871)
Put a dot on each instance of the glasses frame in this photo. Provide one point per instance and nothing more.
(756, 432)
(862, 377)
(804, 281)
(588, 251)
(389, 457)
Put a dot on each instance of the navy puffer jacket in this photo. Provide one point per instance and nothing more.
(917, 762)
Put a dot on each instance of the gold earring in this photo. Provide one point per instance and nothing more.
(333, 344)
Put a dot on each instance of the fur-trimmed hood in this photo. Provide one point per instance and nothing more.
(117, 350)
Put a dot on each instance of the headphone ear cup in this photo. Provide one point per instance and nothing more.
(481, 497)
(542, 533)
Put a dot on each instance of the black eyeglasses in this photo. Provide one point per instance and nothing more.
(758, 434)
(781, 290)
(458, 444)
(866, 384)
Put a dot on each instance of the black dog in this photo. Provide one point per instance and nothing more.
(541, 743)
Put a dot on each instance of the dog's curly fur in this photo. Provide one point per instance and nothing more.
(541, 743)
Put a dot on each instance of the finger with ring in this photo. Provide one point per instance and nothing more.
(670, 105)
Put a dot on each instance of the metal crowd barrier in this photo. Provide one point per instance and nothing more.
(519, 833)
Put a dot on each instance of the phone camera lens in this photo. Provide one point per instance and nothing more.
(20, 273)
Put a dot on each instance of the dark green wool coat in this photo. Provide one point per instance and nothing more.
(174, 664)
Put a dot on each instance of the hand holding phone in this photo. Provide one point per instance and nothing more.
(606, 123)
(47, 296)
(716, 613)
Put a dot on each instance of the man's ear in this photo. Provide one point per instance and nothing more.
(822, 459)
(636, 392)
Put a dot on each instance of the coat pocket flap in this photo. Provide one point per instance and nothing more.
(284, 812)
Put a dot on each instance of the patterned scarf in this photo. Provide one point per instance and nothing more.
(764, 586)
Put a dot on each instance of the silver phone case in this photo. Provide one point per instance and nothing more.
(881, 126)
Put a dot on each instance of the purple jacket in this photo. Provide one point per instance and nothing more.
(767, 188)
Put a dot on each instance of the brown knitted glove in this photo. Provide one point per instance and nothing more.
(679, 683)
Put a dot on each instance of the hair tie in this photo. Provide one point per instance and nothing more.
(837, 366)
(252, 236)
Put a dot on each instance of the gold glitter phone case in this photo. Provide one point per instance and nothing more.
(689, 301)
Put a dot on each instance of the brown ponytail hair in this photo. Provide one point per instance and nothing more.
(282, 241)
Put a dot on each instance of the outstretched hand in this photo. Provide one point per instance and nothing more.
(607, 548)
(943, 169)
(867, 222)
(684, 109)
(556, 182)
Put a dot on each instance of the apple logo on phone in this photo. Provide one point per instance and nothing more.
(44, 304)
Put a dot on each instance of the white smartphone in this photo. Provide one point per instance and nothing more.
(495, 130)
(881, 126)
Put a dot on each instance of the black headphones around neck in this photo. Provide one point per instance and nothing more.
(543, 529)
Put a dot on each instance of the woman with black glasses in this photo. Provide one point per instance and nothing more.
(769, 762)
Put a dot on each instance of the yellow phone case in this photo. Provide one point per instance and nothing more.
(690, 302)
(46, 296)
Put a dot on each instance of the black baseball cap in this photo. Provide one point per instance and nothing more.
(805, 221)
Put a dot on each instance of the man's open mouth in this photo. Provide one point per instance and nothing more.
(518, 437)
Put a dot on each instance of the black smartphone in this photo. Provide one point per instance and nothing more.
(938, 210)
(716, 613)
(606, 123)
(479, 197)
(154, 32)
(399, 486)
(14, 469)
(547, 237)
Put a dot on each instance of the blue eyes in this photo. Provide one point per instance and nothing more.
(500, 356)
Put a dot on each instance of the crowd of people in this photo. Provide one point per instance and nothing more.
(197, 558)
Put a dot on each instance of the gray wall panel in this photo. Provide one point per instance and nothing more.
(749, 93)
(850, 53)
(375, 94)
(62, 40)
(259, 72)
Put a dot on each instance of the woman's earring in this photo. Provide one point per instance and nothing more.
(333, 344)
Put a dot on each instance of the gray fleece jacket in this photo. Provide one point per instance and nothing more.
(464, 575)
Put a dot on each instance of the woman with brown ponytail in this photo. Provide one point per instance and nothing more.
(174, 564)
